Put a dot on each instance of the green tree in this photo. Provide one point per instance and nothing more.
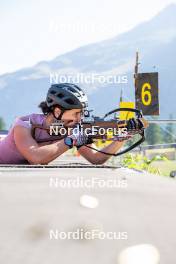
(154, 134)
(169, 133)
(2, 123)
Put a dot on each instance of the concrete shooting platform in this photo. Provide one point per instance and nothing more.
(139, 208)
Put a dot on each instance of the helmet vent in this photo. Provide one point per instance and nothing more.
(78, 88)
(53, 92)
(60, 95)
(69, 101)
(71, 89)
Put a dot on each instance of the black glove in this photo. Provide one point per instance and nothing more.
(88, 140)
(80, 139)
(134, 124)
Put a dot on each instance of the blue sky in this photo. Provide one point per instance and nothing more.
(32, 31)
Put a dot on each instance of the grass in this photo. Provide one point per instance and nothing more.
(165, 167)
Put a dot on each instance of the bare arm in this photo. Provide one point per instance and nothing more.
(97, 157)
(37, 153)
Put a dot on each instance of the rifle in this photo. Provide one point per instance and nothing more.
(114, 129)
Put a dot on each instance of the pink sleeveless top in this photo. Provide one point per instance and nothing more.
(9, 153)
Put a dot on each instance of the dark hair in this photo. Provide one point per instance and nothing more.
(46, 110)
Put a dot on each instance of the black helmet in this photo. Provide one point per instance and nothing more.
(67, 95)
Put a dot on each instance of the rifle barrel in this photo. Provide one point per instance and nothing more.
(161, 121)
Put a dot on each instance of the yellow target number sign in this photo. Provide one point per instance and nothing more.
(146, 93)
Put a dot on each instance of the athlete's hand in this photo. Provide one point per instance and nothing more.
(135, 124)
(80, 138)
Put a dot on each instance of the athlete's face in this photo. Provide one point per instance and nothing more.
(70, 117)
